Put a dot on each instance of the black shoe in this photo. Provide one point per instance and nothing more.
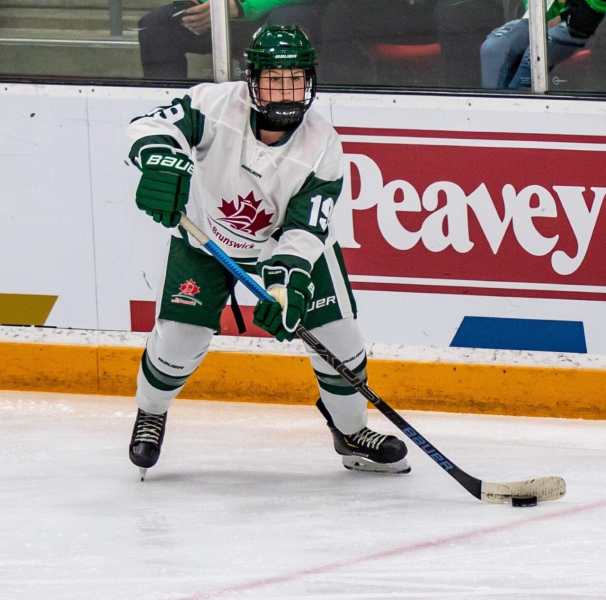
(367, 450)
(146, 442)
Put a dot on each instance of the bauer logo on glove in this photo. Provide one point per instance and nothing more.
(163, 190)
(170, 162)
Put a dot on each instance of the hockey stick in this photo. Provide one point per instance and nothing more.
(544, 488)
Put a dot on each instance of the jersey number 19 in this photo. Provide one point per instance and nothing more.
(320, 211)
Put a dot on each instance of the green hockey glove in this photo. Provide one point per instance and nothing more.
(582, 17)
(293, 291)
(163, 190)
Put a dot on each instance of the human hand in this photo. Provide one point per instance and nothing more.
(292, 291)
(198, 20)
(163, 189)
(553, 22)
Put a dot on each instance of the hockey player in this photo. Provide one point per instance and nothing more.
(265, 173)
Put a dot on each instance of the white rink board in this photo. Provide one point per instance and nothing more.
(46, 221)
(68, 214)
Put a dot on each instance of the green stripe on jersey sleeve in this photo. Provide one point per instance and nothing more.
(181, 114)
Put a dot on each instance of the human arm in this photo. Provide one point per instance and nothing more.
(198, 18)
(252, 10)
(287, 272)
(179, 125)
(162, 141)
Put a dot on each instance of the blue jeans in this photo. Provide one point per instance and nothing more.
(505, 54)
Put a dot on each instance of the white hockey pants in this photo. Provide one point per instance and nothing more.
(175, 350)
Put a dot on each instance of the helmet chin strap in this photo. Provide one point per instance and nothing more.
(280, 116)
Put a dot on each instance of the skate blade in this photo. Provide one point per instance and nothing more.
(357, 463)
(142, 472)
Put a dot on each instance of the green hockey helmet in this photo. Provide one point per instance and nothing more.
(286, 48)
(280, 47)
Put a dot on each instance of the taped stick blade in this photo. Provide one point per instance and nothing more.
(544, 488)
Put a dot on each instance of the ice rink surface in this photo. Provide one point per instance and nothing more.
(250, 501)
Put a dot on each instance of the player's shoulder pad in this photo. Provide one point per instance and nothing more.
(315, 119)
(329, 161)
(322, 127)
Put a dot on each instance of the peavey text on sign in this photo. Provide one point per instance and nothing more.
(434, 213)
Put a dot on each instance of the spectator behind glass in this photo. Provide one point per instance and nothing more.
(505, 54)
(353, 29)
(168, 33)
(462, 27)
(592, 77)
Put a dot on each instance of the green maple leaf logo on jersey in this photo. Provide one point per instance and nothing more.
(244, 215)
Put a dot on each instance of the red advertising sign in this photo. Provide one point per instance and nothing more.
(475, 213)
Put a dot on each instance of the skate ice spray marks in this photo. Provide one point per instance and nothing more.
(422, 443)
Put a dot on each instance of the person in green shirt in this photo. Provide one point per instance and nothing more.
(505, 55)
(168, 33)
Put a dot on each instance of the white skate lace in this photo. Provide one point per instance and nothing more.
(369, 438)
(149, 428)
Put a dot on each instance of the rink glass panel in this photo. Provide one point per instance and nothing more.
(94, 40)
(583, 71)
(384, 45)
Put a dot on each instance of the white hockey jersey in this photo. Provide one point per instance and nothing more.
(256, 202)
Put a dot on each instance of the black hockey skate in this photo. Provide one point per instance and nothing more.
(367, 450)
(146, 441)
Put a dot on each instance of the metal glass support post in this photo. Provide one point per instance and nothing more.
(115, 18)
(219, 14)
(538, 45)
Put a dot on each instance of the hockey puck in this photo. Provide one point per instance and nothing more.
(524, 501)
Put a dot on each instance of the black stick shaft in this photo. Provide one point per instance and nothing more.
(471, 484)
